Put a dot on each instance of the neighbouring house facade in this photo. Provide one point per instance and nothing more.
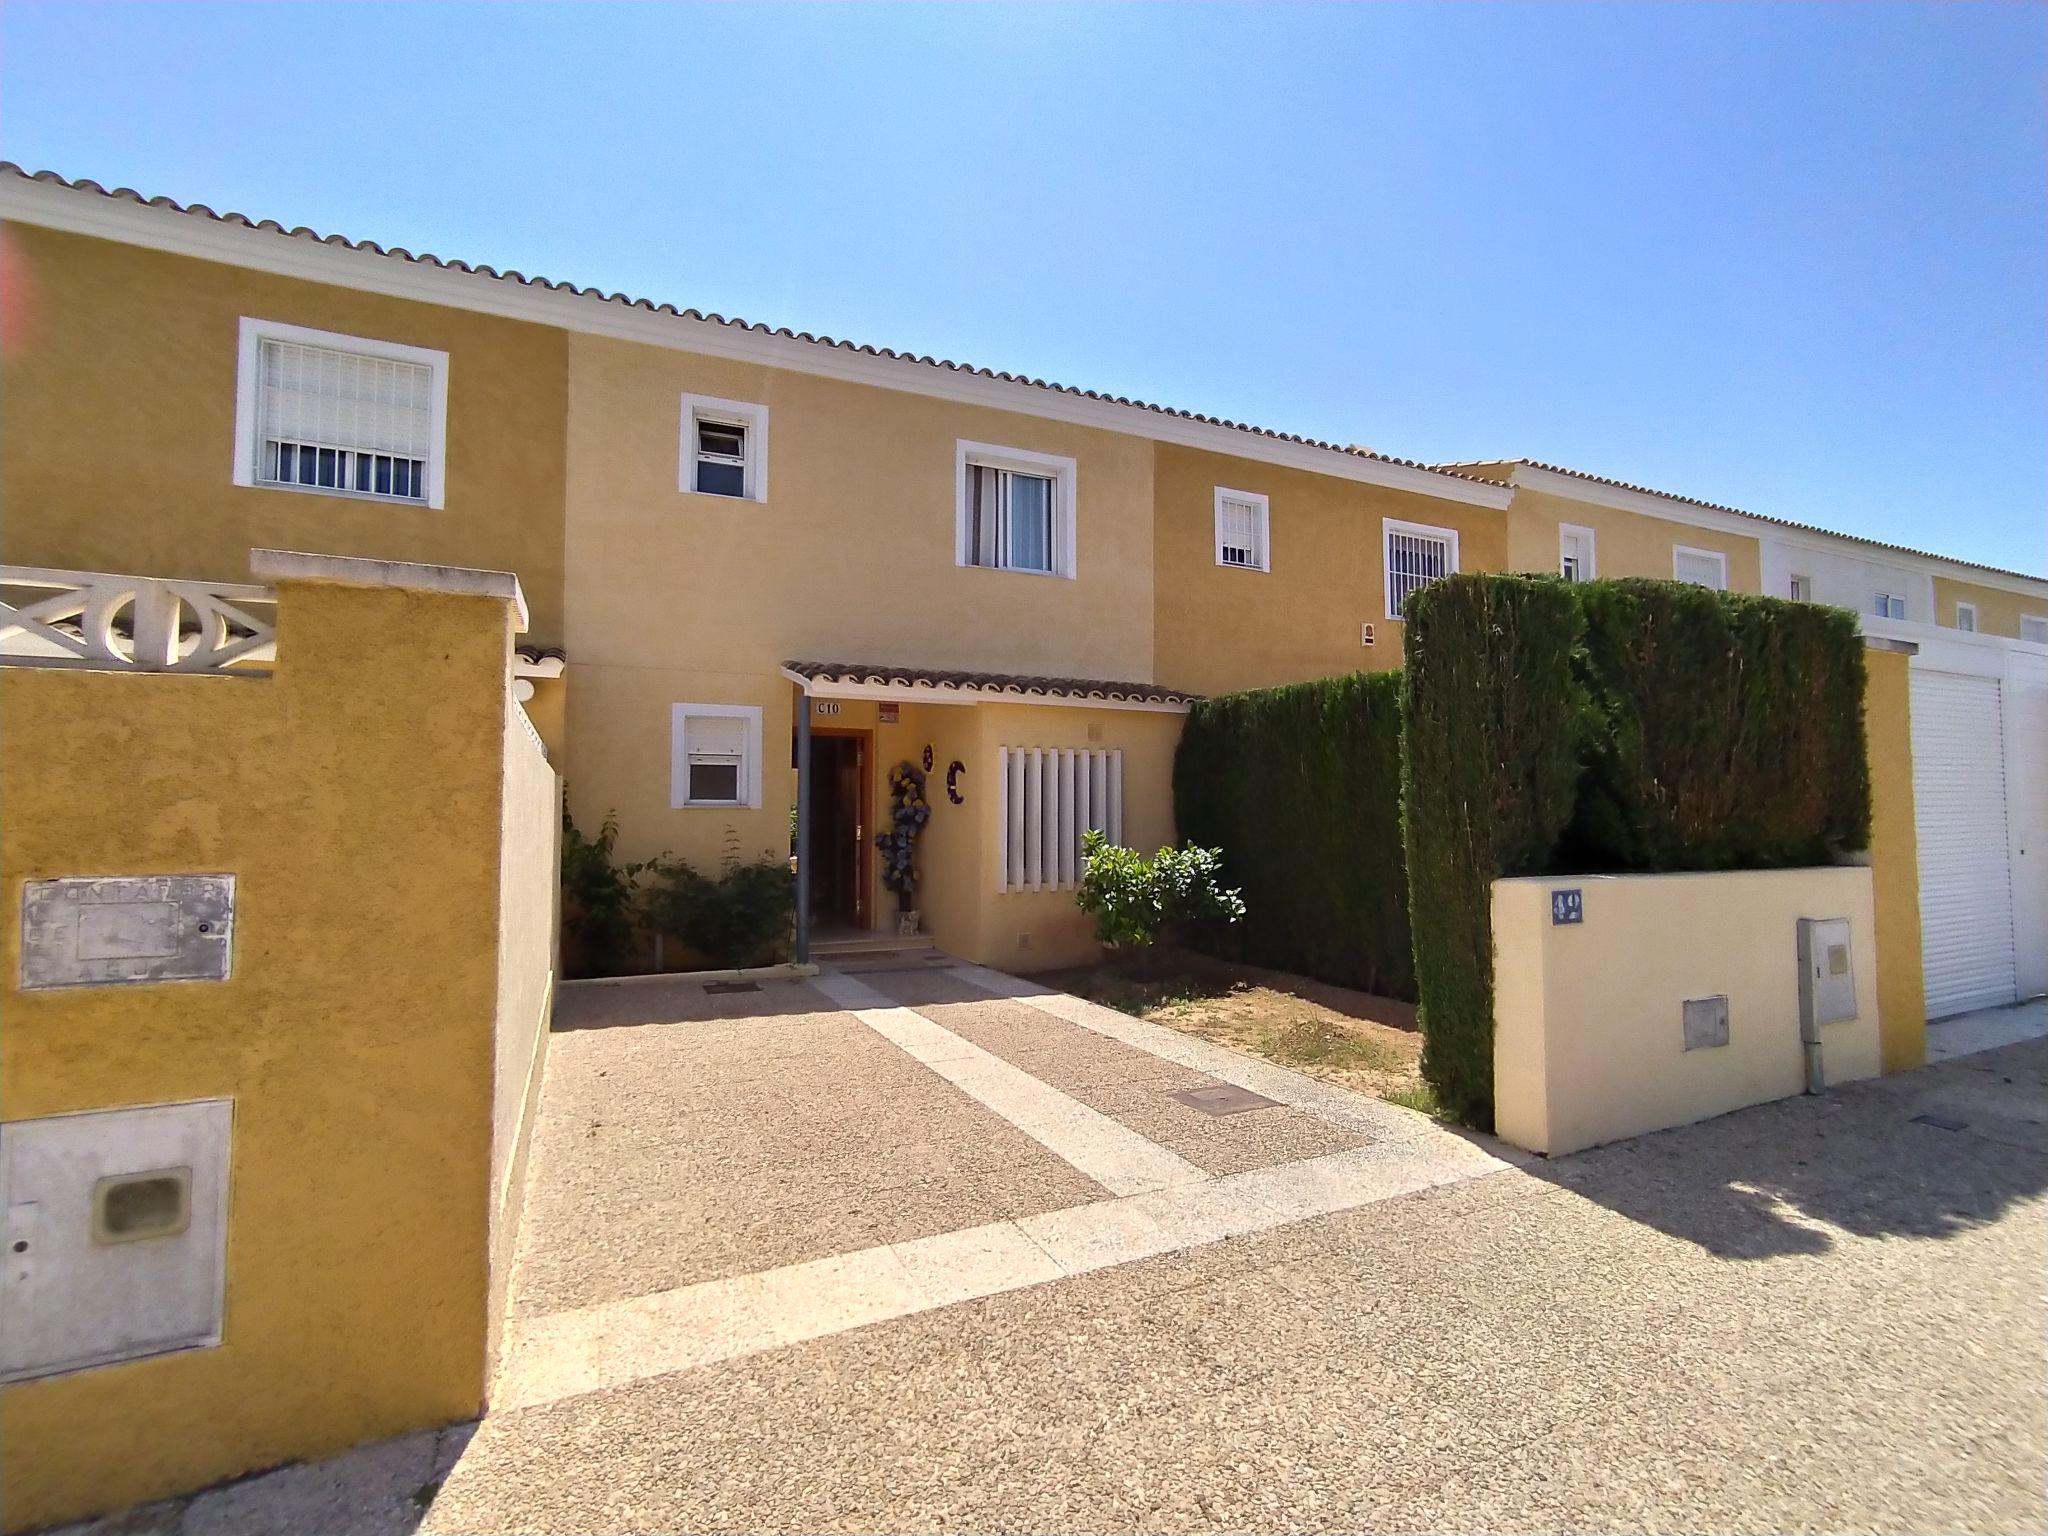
(765, 566)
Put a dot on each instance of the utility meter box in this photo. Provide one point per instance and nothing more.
(1827, 976)
(116, 1235)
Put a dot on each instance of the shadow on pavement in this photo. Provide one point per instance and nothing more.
(1924, 1154)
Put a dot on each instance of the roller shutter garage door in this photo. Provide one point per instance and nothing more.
(1959, 806)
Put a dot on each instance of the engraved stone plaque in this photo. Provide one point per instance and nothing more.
(107, 931)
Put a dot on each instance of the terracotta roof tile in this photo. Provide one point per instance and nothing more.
(1025, 688)
(1469, 465)
(425, 258)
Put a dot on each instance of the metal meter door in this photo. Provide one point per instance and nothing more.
(116, 1235)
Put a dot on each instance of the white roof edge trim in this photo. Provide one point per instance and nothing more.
(1753, 525)
(936, 693)
(77, 210)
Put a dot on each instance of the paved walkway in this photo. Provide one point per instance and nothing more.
(934, 1248)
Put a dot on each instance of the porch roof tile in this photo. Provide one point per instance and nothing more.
(871, 674)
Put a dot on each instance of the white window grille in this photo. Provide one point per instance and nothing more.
(1241, 530)
(1888, 605)
(715, 755)
(1575, 553)
(1050, 796)
(725, 448)
(339, 414)
(1416, 555)
(1700, 567)
(2034, 627)
(1966, 617)
(1015, 510)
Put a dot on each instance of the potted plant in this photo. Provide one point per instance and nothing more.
(908, 813)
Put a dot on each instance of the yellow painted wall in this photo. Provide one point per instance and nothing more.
(1222, 628)
(1040, 930)
(1894, 860)
(118, 453)
(1998, 611)
(676, 597)
(1588, 1045)
(356, 795)
(1624, 543)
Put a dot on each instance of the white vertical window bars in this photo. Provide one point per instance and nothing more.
(342, 421)
(1240, 530)
(1414, 560)
(1050, 797)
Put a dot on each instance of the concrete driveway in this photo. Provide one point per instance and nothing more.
(934, 1249)
(922, 1249)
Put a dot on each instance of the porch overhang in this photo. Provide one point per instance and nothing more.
(866, 680)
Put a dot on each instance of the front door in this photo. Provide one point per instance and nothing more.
(839, 827)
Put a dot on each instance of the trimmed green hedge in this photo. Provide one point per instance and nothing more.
(1494, 722)
(1300, 789)
(1727, 731)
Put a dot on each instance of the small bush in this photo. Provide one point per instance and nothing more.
(1134, 900)
(1493, 723)
(597, 900)
(741, 917)
(1300, 789)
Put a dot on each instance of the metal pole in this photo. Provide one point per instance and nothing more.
(803, 827)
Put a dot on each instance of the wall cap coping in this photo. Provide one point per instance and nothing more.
(1852, 864)
(1888, 643)
(354, 571)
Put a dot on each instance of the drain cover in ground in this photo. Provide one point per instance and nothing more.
(732, 986)
(1941, 1122)
(1224, 1099)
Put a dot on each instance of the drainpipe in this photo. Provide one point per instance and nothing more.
(803, 827)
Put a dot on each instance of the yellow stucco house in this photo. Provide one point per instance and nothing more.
(760, 562)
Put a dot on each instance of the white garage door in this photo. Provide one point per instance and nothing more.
(1965, 856)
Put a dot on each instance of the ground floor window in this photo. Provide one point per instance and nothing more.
(1050, 796)
(715, 755)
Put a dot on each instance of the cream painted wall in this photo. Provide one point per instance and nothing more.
(1222, 628)
(1625, 543)
(1588, 1046)
(1998, 610)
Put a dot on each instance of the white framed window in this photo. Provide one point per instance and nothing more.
(725, 448)
(1416, 554)
(1799, 589)
(715, 756)
(1888, 605)
(1700, 567)
(2034, 627)
(340, 415)
(1242, 530)
(1966, 617)
(1048, 797)
(1014, 510)
(1575, 552)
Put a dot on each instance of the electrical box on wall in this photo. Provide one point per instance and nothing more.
(1827, 978)
(104, 931)
(116, 1235)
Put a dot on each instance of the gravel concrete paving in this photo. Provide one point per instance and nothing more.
(1819, 1314)
(685, 1135)
(1131, 1086)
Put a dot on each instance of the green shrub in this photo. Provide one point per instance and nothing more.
(1134, 899)
(1493, 719)
(1727, 731)
(741, 917)
(597, 900)
(1300, 789)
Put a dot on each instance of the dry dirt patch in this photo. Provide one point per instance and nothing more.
(1366, 1043)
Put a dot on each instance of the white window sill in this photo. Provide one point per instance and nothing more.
(739, 501)
(1226, 565)
(1013, 570)
(714, 805)
(420, 502)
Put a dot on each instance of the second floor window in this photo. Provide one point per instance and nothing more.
(1016, 511)
(1416, 555)
(1575, 553)
(340, 414)
(725, 448)
(1888, 605)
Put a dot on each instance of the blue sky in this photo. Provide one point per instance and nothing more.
(1789, 258)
